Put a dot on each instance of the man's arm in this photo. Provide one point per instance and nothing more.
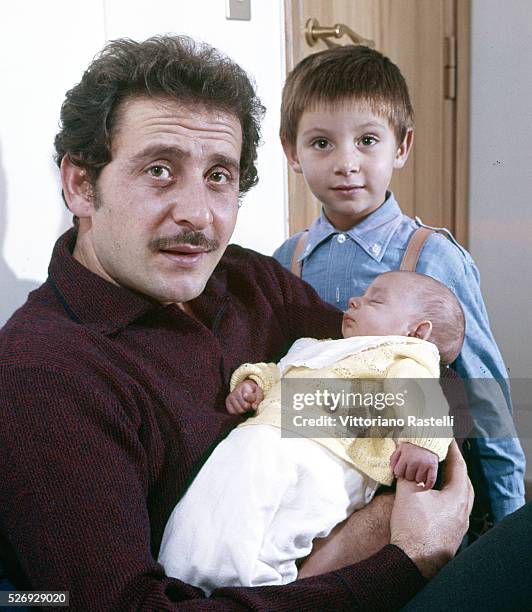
(75, 484)
(427, 525)
(304, 313)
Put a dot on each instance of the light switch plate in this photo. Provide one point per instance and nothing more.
(238, 9)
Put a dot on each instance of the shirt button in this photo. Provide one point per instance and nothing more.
(341, 238)
(376, 249)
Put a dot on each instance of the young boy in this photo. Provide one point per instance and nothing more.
(266, 497)
(346, 125)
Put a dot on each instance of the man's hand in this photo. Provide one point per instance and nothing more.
(429, 525)
(415, 463)
(246, 396)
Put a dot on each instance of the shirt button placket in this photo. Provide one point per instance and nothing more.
(340, 238)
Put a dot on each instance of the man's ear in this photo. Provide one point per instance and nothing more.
(290, 151)
(421, 330)
(404, 148)
(77, 188)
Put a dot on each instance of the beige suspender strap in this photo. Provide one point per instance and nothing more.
(295, 266)
(408, 263)
(415, 244)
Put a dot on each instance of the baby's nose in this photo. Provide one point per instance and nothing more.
(354, 302)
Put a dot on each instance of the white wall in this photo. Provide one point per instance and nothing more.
(44, 48)
(501, 184)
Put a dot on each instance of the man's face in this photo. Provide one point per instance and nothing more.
(386, 308)
(347, 155)
(165, 207)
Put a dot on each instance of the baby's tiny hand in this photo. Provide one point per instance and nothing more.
(246, 396)
(415, 463)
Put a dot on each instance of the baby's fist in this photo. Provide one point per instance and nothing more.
(247, 395)
(415, 463)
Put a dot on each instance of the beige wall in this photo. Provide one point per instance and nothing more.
(501, 182)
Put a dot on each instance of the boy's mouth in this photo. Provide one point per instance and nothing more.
(347, 188)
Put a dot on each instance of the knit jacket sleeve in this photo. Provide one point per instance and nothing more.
(76, 472)
(264, 374)
(423, 398)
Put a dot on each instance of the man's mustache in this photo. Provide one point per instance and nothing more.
(191, 237)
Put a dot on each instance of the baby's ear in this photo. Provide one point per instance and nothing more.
(422, 330)
(290, 150)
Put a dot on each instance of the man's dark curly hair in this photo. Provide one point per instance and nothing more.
(163, 66)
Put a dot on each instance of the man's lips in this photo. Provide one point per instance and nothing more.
(185, 249)
(185, 255)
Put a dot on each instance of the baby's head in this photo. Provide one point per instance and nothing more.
(346, 125)
(408, 304)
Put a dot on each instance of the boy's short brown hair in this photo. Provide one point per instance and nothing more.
(341, 74)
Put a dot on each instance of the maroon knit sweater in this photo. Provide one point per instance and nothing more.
(110, 403)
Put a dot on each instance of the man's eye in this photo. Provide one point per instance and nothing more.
(367, 141)
(159, 172)
(320, 143)
(219, 177)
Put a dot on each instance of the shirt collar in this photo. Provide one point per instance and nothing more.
(91, 300)
(372, 234)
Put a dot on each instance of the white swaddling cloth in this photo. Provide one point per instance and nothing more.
(255, 508)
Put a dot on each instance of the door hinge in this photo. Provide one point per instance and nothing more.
(449, 68)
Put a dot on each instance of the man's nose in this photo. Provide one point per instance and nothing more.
(191, 208)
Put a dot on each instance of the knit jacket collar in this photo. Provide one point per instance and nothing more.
(95, 302)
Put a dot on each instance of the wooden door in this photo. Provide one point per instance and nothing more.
(429, 41)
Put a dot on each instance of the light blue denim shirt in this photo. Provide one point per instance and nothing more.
(342, 264)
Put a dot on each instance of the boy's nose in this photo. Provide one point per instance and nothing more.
(346, 168)
(347, 164)
(354, 303)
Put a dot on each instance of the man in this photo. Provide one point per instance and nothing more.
(115, 371)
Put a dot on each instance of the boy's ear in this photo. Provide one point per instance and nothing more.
(290, 151)
(404, 149)
(77, 188)
(422, 330)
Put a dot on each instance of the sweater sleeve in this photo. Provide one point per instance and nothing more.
(306, 315)
(423, 398)
(75, 512)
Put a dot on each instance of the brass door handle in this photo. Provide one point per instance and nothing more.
(314, 32)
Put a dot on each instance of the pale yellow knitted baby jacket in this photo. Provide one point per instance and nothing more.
(396, 358)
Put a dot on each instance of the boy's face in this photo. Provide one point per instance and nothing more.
(383, 310)
(347, 155)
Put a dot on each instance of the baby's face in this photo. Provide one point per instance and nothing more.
(383, 310)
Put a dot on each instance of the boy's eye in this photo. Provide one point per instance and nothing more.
(320, 143)
(367, 141)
